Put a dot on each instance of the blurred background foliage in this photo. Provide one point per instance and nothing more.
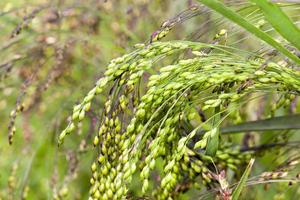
(51, 54)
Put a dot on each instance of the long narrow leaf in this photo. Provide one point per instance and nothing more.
(238, 19)
(213, 139)
(242, 182)
(275, 123)
(280, 21)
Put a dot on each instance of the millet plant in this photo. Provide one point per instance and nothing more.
(170, 110)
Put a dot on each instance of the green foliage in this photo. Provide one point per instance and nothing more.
(238, 189)
(274, 123)
(153, 124)
(236, 18)
(280, 22)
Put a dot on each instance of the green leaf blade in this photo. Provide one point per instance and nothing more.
(280, 21)
(241, 185)
(288, 122)
(239, 20)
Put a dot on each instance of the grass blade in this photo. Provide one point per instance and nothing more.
(242, 182)
(275, 123)
(213, 139)
(280, 21)
(239, 20)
